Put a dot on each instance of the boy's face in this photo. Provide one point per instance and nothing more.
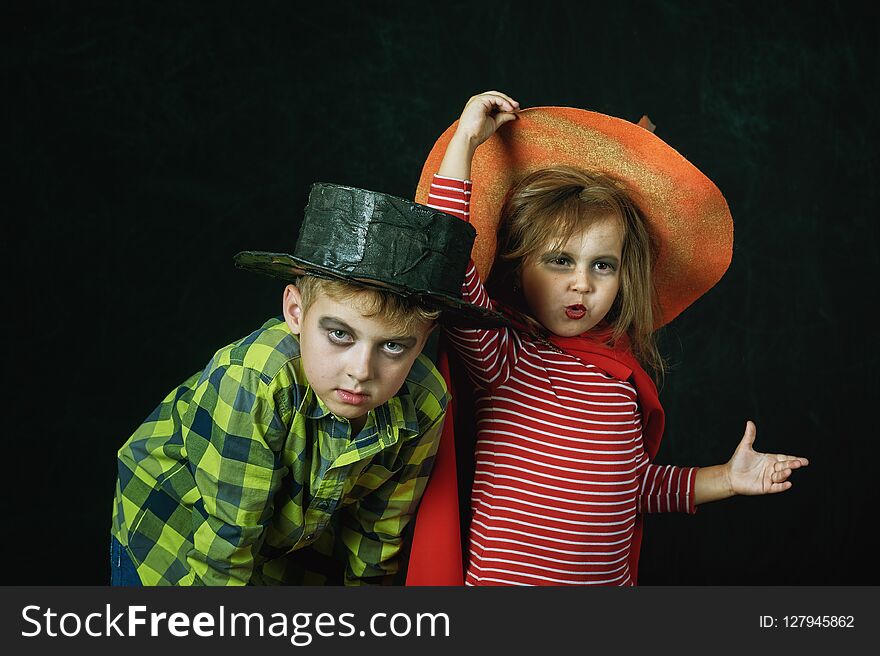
(354, 363)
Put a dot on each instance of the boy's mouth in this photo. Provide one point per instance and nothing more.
(575, 312)
(351, 398)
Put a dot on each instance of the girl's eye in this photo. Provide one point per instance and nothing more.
(339, 336)
(604, 266)
(560, 261)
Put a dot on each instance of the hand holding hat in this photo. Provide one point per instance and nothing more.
(483, 114)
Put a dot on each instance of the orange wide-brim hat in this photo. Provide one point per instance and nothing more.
(686, 214)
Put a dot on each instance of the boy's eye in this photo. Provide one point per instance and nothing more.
(560, 260)
(394, 348)
(339, 336)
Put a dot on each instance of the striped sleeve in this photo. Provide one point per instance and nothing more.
(451, 195)
(667, 488)
(488, 355)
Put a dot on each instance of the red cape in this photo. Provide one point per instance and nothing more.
(436, 552)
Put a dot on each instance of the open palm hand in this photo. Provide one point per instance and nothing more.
(752, 472)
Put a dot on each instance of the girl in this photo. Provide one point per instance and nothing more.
(567, 418)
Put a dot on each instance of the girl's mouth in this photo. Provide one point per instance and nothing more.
(575, 312)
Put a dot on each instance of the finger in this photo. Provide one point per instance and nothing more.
(780, 456)
(494, 105)
(503, 95)
(504, 105)
(789, 465)
(748, 438)
(781, 475)
(506, 117)
(501, 100)
(779, 487)
(791, 461)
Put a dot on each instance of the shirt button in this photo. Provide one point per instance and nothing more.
(310, 537)
(323, 504)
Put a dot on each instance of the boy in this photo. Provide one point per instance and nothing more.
(309, 442)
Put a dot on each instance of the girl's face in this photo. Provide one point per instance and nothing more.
(570, 289)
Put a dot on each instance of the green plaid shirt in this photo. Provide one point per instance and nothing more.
(243, 476)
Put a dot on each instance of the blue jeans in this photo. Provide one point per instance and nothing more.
(122, 570)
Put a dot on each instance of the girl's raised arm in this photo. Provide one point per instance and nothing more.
(488, 355)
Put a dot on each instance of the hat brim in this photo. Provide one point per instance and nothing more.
(686, 213)
(456, 312)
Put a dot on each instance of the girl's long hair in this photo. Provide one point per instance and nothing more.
(542, 212)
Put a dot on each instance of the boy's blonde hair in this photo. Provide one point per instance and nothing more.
(543, 211)
(400, 313)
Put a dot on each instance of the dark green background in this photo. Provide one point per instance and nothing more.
(150, 142)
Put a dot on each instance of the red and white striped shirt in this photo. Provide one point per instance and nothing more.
(561, 469)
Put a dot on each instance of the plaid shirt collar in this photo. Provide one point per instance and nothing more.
(397, 414)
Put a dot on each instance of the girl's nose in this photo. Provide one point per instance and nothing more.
(581, 281)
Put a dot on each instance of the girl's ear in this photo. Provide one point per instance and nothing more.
(291, 306)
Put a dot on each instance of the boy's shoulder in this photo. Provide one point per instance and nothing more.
(267, 351)
(426, 386)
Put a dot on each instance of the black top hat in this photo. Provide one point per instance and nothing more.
(382, 242)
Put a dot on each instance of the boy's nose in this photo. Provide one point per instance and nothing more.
(360, 365)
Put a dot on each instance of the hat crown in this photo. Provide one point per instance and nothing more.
(368, 235)
(383, 242)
